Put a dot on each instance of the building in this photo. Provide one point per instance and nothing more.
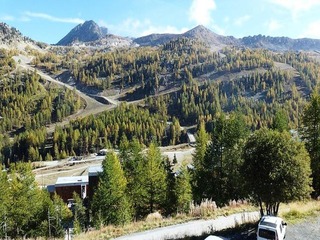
(93, 175)
(65, 186)
(191, 139)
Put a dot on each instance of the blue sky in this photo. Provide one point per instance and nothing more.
(50, 20)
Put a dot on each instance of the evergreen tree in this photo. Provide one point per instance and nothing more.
(79, 214)
(110, 203)
(132, 161)
(4, 202)
(280, 121)
(311, 136)
(222, 160)
(153, 180)
(171, 197)
(199, 181)
(23, 191)
(183, 191)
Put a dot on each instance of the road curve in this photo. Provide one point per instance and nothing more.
(92, 106)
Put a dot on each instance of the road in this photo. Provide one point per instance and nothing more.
(92, 106)
(193, 228)
(308, 229)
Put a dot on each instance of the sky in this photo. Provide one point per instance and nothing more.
(50, 20)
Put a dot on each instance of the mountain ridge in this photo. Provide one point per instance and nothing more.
(10, 37)
(216, 41)
(91, 34)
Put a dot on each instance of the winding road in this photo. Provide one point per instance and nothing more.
(92, 106)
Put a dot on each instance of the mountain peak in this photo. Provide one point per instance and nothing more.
(84, 32)
(199, 31)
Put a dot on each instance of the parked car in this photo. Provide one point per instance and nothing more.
(271, 228)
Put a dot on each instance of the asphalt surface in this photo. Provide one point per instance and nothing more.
(306, 230)
(193, 228)
(309, 230)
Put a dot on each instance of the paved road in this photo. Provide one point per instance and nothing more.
(192, 228)
(309, 230)
(306, 230)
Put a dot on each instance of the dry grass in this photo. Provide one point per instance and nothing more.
(207, 209)
(298, 211)
(292, 213)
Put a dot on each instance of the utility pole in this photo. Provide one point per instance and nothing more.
(49, 229)
(5, 227)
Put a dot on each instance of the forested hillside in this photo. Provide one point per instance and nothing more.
(27, 104)
(239, 102)
(182, 82)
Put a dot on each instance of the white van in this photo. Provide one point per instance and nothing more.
(271, 228)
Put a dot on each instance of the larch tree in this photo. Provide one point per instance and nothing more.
(198, 178)
(153, 180)
(110, 204)
(276, 169)
(183, 191)
(132, 161)
(223, 159)
(3, 203)
(311, 136)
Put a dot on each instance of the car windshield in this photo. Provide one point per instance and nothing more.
(268, 234)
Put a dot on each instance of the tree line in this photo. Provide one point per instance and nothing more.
(269, 167)
(27, 211)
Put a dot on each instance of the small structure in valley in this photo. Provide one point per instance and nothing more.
(93, 174)
(65, 186)
(191, 139)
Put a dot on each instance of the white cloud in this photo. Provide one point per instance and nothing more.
(312, 30)
(137, 28)
(52, 18)
(241, 20)
(200, 11)
(296, 6)
(273, 25)
(7, 18)
(163, 29)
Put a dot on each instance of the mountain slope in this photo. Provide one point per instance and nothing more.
(200, 33)
(280, 43)
(10, 38)
(155, 39)
(109, 41)
(217, 41)
(85, 32)
(210, 38)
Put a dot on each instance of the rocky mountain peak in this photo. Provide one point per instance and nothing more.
(9, 34)
(84, 32)
(199, 31)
